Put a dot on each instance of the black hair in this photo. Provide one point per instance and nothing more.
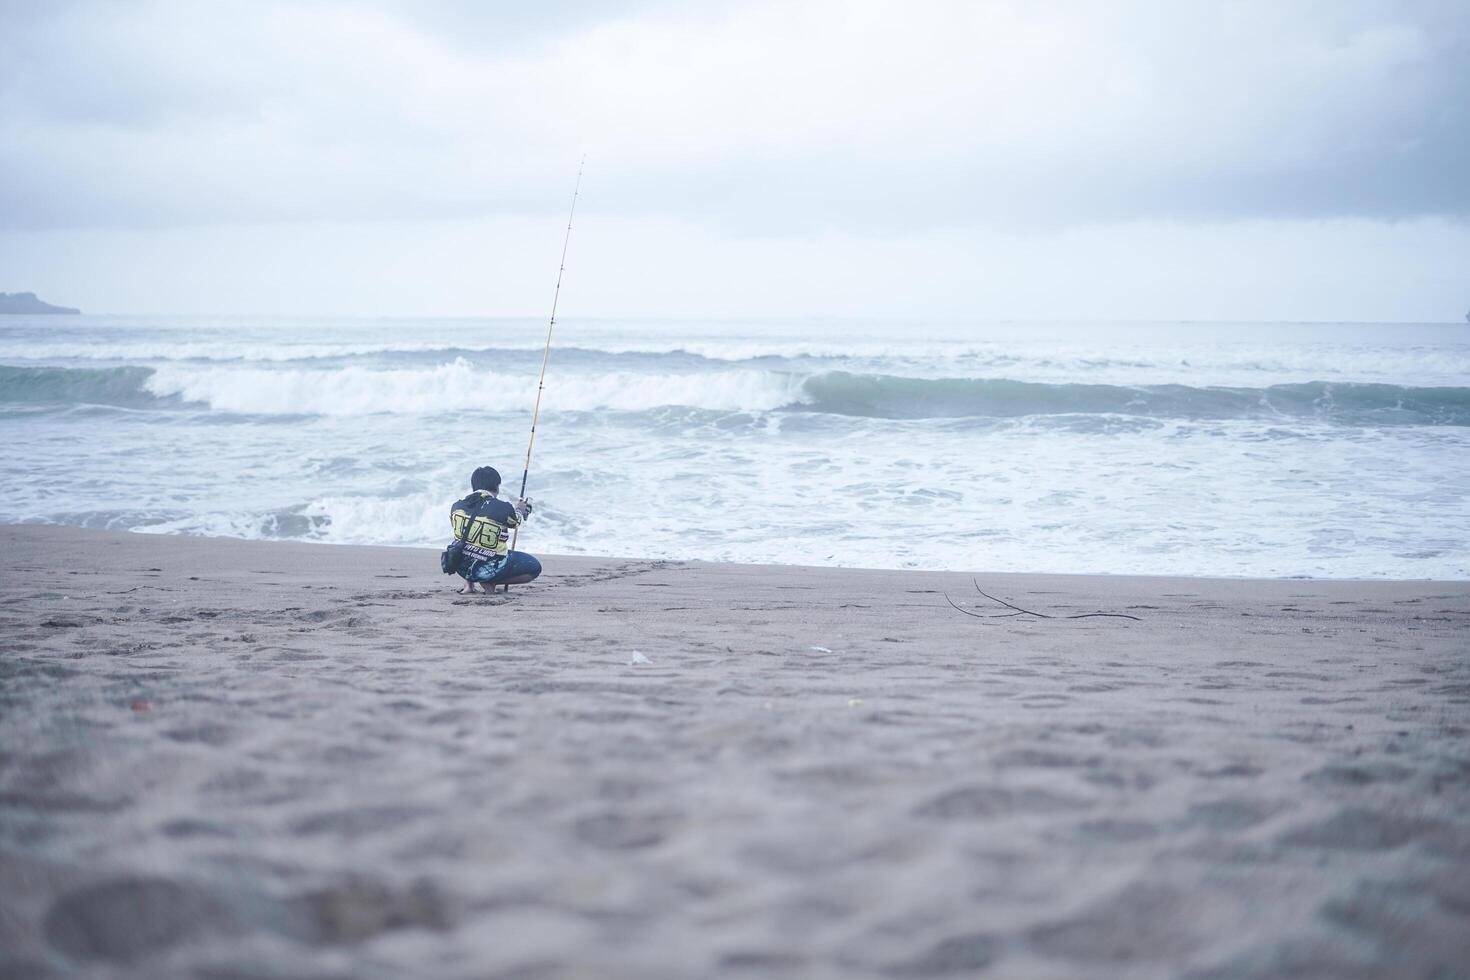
(485, 478)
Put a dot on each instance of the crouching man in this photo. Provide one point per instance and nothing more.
(483, 521)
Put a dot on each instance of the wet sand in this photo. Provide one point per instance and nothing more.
(234, 759)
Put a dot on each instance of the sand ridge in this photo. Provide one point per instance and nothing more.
(228, 758)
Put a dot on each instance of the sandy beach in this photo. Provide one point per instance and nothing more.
(241, 759)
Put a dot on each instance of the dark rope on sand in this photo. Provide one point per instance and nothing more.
(1007, 604)
(1018, 611)
(973, 614)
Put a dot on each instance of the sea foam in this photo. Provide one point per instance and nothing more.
(1274, 451)
(459, 386)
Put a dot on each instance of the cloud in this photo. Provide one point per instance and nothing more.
(757, 117)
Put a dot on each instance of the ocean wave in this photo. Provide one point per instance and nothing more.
(1195, 364)
(878, 396)
(274, 352)
(457, 386)
(119, 386)
(460, 386)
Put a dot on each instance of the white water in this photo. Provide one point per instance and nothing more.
(767, 441)
(365, 391)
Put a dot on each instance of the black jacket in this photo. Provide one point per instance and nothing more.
(489, 520)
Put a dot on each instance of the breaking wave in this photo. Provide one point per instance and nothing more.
(454, 387)
(1242, 365)
(122, 386)
(881, 396)
(460, 386)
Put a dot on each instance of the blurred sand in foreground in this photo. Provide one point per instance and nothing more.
(232, 759)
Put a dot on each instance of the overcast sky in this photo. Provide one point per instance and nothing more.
(1127, 159)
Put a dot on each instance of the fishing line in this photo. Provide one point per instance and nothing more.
(546, 354)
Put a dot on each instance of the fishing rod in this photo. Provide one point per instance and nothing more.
(546, 354)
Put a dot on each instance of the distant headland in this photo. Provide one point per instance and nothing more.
(27, 303)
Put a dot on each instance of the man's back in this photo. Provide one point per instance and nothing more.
(489, 520)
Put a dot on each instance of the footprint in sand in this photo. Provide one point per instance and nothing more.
(621, 831)
(358, 908)
(1357, 830)
(959, 955)
(1143, 922)
(970, 802)
(128, 919)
